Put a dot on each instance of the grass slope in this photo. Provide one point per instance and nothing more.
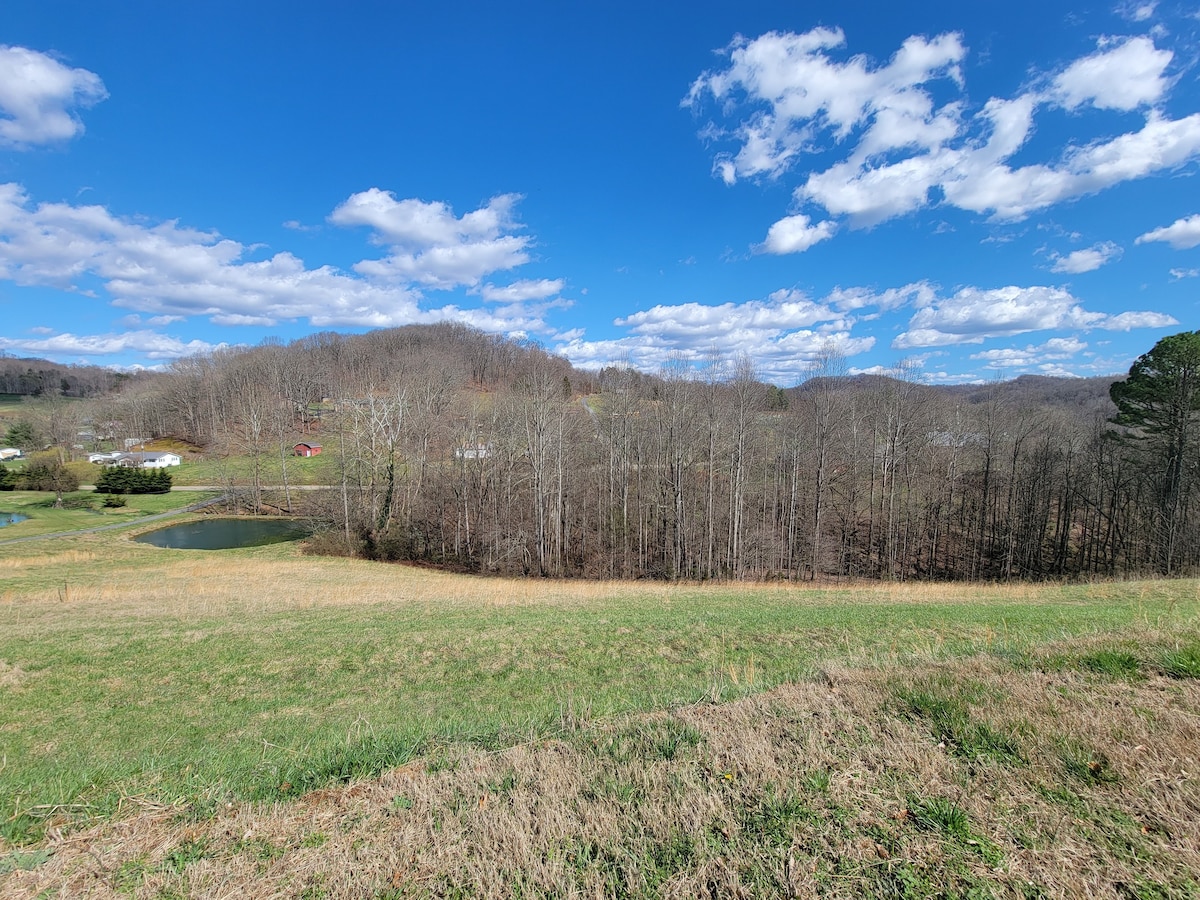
(191, 682)
(845, 785)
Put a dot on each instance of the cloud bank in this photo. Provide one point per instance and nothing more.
(901, 146)
(173, 272)
(788, 330)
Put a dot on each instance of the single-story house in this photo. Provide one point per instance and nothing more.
(147, 460)
(103, 458)
(479, 451)
(306, 449)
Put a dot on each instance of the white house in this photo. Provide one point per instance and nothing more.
(147, 460)
(9, 453)
(479, 451)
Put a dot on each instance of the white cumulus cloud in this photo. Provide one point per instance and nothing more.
(1125, 76)
(37, 96)
(1127, 321)
(1182, 234)
(973, 314)
(519, 291)
(805, 90)
(907, 136)
(151, 344)
(795, 234)
(430, 245)
(169, 271)
(784, 310)
(782, 333)
(1044, 356)
(1086, 260)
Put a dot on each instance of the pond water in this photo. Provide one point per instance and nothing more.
(11, 518)
(224, 534)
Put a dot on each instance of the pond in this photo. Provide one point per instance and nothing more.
(11, 518)
(224, 534)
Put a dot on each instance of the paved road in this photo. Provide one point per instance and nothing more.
(113, 527)
(245, 487)
(223, 488)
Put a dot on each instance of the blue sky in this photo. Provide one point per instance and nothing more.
(980, 192)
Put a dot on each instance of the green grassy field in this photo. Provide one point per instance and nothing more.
(83, 509)
(300, 470)
(182, 688)
(134, 671)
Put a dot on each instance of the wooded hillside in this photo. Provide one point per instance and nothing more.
(30, 377)
(462, 449)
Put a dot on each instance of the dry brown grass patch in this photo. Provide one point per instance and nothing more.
(10, 676)
(47, 560)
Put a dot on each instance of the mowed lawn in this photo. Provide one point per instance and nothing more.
(135, 674)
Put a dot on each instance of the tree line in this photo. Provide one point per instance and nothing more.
(461, 449)
(41, 378)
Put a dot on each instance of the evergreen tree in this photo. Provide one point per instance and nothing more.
(21, 435)
(121, 480)
(1159, 404)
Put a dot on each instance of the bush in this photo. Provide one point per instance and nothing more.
(84, 502)
(119, 480)
(46, 472)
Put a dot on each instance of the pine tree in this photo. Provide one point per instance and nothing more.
(1159, 405)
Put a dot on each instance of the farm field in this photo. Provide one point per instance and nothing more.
(10, 406)
(175, 722)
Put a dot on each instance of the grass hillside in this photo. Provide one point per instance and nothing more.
(1054, 777)
(260, 723)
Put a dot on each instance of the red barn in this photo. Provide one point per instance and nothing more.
(307, 449)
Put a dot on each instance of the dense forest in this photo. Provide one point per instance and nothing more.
(40, 378)
(461, 449)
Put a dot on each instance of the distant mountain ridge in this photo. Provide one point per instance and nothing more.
(1081, 398)
(483, 359)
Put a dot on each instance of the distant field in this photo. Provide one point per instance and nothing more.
(12, 406)
(300, 470)
(83, 510)
(197, 469)
(9, 401)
